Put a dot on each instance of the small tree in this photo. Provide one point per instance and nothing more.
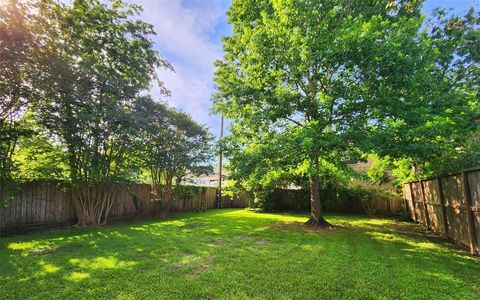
(174, 145)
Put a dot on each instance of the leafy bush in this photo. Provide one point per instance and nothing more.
(263, 200)
(355, 199)
(369, 196)
(187, 191)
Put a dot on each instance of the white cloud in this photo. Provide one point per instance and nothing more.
(185, 36)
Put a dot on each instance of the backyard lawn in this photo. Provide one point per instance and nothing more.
(237, 254)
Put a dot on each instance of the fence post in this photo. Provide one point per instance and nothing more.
(413, 202)
(424, 199)
(470, 217)
(443, 205)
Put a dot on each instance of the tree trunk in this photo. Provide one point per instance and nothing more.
(92, 204)
(316, 213)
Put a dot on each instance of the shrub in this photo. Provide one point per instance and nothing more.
(369, 196)
(344, 199)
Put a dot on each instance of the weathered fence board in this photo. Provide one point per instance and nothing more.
(452, 206)
(284, 199)
(38, 204)
(474, 179)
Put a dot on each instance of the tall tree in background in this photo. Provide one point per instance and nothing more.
(441, 138)
(20, 31)
(458, 37)
(324, 79)
(100, 60)
(37, 156)
(173, 146)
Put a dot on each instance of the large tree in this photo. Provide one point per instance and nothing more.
(21, 28)
(100, 60)
(324, 79)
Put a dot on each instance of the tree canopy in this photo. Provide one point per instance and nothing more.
(76, 105)
(310, 85)
(172, 146)
(19, 47)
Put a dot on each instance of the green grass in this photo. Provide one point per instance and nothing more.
(237, 254)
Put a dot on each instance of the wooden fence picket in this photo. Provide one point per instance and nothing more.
(459, 198)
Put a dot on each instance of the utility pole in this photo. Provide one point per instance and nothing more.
(219, 199)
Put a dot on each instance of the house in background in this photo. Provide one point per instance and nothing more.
(210, 179)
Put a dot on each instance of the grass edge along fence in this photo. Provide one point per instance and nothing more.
(38, 204)
(448, 205)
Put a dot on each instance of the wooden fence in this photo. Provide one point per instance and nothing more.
(337, 201)
(448, 205)
(48, 204)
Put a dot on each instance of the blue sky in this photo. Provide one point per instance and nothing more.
(189, 35)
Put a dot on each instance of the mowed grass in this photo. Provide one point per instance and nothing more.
(237, 254)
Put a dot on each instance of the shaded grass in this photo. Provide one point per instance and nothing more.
(237, 254)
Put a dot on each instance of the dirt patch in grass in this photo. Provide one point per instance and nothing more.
(218, 242)
(262, 242)
(299, 226)
(197, 263)
(205, 265)
(177, 265)
(199, 269)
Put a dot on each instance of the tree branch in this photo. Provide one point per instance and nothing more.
(294, 121)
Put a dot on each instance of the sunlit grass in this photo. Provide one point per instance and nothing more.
(237, 254)
(49, 268)
(77, 276)
(101, 263)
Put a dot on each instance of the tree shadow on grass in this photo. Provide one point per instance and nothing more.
(198, 255)
(395, 259)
